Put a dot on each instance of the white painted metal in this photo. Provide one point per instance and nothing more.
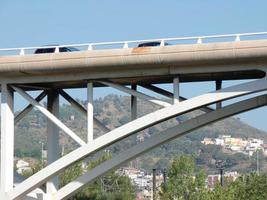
(57, 49)
(53, 154)
(237, 39)
(125, 45)
(154, 141)
(162, 43)
(49, 115)
(22, 52)
(90, 47)
(176, 90)
(133, 104)
(161, 91)
(26, 110)
(90, 113)
(133, 127)
(135, 93)
(7, 140)
(198, 39)
(80, 108)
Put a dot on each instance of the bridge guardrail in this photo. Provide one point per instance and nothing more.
(134, 43)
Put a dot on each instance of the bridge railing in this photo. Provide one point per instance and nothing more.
(134, 43)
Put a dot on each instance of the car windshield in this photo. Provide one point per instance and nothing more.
(67, 49)
(152, 44)
(53, 49)
(45, 50)
(72, 49)
(149, 44)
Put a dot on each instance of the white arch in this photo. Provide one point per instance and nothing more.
(154, 141)
(132, 127)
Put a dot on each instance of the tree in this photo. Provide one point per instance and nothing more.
(109, 187)
(245, 187)
(184, 181)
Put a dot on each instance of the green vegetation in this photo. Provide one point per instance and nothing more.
(112, 186)
(109, 187)
(114, 110)
(185, 182)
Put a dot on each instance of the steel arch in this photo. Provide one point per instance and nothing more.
(131, 128)
(159, 139)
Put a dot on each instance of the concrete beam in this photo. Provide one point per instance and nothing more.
(53, 154)
(176, 90)
(136, 94)
(183, 58)
(170, 95)
(134, 104)
(49, 115)
(80, 108)
(90, 113)
(26, 110)
(218, 87)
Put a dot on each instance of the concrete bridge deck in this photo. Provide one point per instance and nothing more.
(141, 65)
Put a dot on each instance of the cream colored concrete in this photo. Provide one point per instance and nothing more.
(135, 62)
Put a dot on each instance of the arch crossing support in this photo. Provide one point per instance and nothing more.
(165, 136)
(133, 127)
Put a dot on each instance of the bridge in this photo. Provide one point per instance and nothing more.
(120, 65)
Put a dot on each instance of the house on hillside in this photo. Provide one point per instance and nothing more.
(253, 145)
(207, 141)
(22, 166)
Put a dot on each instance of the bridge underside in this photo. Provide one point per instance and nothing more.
(118, 69)
(148, 80)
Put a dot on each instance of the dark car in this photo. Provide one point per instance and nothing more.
(53, 49)
(151, 44)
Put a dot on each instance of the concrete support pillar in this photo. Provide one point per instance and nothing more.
(133, 104)
(176, 90)
(52, 138)
(90, 113)
(7, 140)
(218, 87)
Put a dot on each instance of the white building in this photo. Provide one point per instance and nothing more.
(219, 141)
(22, 166)
(254, 144)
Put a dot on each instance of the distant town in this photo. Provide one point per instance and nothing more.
(142, 179)
(238, 145)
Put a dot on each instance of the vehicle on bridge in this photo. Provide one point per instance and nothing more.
(52, 49)
(152, 44)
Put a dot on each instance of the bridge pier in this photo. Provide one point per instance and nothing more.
(90, 112)
(133, 104)
(52, 138)
(218, 87)
(176, 90)
(7, 140)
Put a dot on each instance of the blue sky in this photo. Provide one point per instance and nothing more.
(35, 23)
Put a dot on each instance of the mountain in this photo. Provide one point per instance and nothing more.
(114, 110)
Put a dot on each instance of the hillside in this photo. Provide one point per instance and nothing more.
(114, 111)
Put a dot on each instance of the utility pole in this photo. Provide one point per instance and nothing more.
(154, 184)
(258, 167)
(42, 154)
(164, 176)
(220, 166)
